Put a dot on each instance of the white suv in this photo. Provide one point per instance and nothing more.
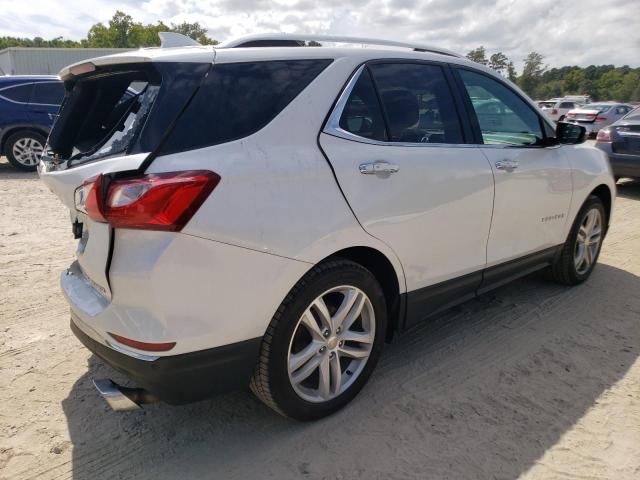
(271, 215)
(557, 109)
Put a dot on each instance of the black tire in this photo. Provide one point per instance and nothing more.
(271, 382)
(22, 135)
(563, 270)
(561, 119)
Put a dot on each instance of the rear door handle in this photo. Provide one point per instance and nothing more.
(378, 167)
(508, 165)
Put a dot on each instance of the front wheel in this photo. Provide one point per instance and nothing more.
(323, 342)
(580, 253)
(24, 149)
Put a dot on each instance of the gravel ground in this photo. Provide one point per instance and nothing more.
(532, 381)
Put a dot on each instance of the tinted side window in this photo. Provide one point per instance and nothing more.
(18, 93)
(49, 93)
(362, 115)
(566, 105)
(503, 116)
(417, 102)
(238, 99)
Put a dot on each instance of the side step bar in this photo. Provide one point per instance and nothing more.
(122, 399)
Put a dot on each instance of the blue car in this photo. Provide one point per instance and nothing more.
(28, 107)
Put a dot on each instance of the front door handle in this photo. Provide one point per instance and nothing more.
(378, 167)
(508, 165)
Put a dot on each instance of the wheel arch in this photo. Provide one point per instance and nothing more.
(6, 134)
(385, 273)
(603, 192)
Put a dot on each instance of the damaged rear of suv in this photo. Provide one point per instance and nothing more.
(133, 156)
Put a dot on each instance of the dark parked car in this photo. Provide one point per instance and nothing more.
(28, 107)
(621, 141)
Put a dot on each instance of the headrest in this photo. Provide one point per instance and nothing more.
(403, 110)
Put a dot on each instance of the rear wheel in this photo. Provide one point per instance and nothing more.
(580, 253)
(24, 149)
(323, 342)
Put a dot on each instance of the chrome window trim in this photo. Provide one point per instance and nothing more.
(515, 145)
(27, 103)
(332, 127)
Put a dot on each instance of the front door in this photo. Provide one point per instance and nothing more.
(533, 184)
(397, 147)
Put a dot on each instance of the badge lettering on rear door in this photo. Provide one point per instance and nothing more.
(551, 218)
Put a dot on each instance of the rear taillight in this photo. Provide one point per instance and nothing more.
(554, 112)
(604, 136)
(157, 201)
(88, 198)
(571, 115)
(601, 119)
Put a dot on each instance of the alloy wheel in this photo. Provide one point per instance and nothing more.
(588, 241)
(28, 151)
(331, 344)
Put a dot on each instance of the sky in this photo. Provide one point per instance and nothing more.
(567, 32)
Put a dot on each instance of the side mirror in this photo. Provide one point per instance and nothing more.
(570, 133)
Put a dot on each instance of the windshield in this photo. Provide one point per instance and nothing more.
(547, 104)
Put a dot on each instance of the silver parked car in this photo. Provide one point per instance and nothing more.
(595, 116)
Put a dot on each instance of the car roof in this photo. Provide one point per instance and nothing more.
(229, 52)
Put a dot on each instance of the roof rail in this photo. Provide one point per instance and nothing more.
(286, 39)
(173, 39)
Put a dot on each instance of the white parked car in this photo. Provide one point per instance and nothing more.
(270, 216)
(596, 116)
(557, 109)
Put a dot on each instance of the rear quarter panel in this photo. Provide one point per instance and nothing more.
(277, 193)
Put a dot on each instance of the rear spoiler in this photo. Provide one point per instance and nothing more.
(87, 66)
(167, 40)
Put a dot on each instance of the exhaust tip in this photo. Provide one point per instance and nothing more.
(115, 395)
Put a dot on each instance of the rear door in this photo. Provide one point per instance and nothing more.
(533, 185)
(396, 141)
(14, 101)
(46, 98)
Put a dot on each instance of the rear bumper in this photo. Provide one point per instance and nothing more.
(184, 378)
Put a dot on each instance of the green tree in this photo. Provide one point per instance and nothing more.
(532, 72)
(123, 32)
(195, 31)
(573, 81)
(478, 55)
(511, 72)
(499, 62)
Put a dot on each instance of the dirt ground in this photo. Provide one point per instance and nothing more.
(532, 381)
